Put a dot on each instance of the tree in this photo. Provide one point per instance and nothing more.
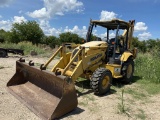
(26, 31)
(52, 41)
(135, 42)
(141, 45)
(151, 43)
(158, 43)
(93, 37)
(69, 37)
(14, 37)
(6, 36)
(2, 35)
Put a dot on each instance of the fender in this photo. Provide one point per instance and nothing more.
(126, 55)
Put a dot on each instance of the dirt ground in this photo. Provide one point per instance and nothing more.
(90, 107)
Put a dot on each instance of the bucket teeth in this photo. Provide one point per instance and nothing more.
(31, 63)
(42, 67)
(22, 60)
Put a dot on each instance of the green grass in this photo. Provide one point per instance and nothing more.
(136, 93)
(121, 105)
(147, 67)
(122, 108)
(141, 114)
(151, 88)
(26, 46)
(147, 79)
(87, 99)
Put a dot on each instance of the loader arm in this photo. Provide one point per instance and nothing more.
(76, 65)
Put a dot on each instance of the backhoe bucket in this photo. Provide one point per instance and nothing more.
(47, 95)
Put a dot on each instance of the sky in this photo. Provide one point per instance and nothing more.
(58, 16)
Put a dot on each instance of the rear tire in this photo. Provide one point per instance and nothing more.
(127, 71)
(101, 81)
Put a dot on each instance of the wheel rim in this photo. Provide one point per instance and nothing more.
(129, 71)
(105, 82)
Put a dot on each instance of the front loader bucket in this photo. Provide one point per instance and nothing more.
(47, 95)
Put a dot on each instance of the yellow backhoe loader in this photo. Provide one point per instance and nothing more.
(51, 94)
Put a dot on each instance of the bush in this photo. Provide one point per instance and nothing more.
(147, 66)
(26, 46)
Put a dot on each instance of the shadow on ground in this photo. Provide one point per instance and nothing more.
(76, 111)
(118, 83)
(136, 78)
(86, 89)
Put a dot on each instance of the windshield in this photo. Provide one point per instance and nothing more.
(100, 33)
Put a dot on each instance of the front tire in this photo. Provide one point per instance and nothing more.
(101, 81)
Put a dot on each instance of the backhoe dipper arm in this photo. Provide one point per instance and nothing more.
(129, 34)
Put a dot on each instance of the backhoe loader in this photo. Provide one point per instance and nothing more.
(51, 94)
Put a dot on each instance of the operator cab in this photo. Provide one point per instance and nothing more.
(116, 37)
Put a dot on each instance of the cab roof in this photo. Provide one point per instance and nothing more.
(112, 24)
